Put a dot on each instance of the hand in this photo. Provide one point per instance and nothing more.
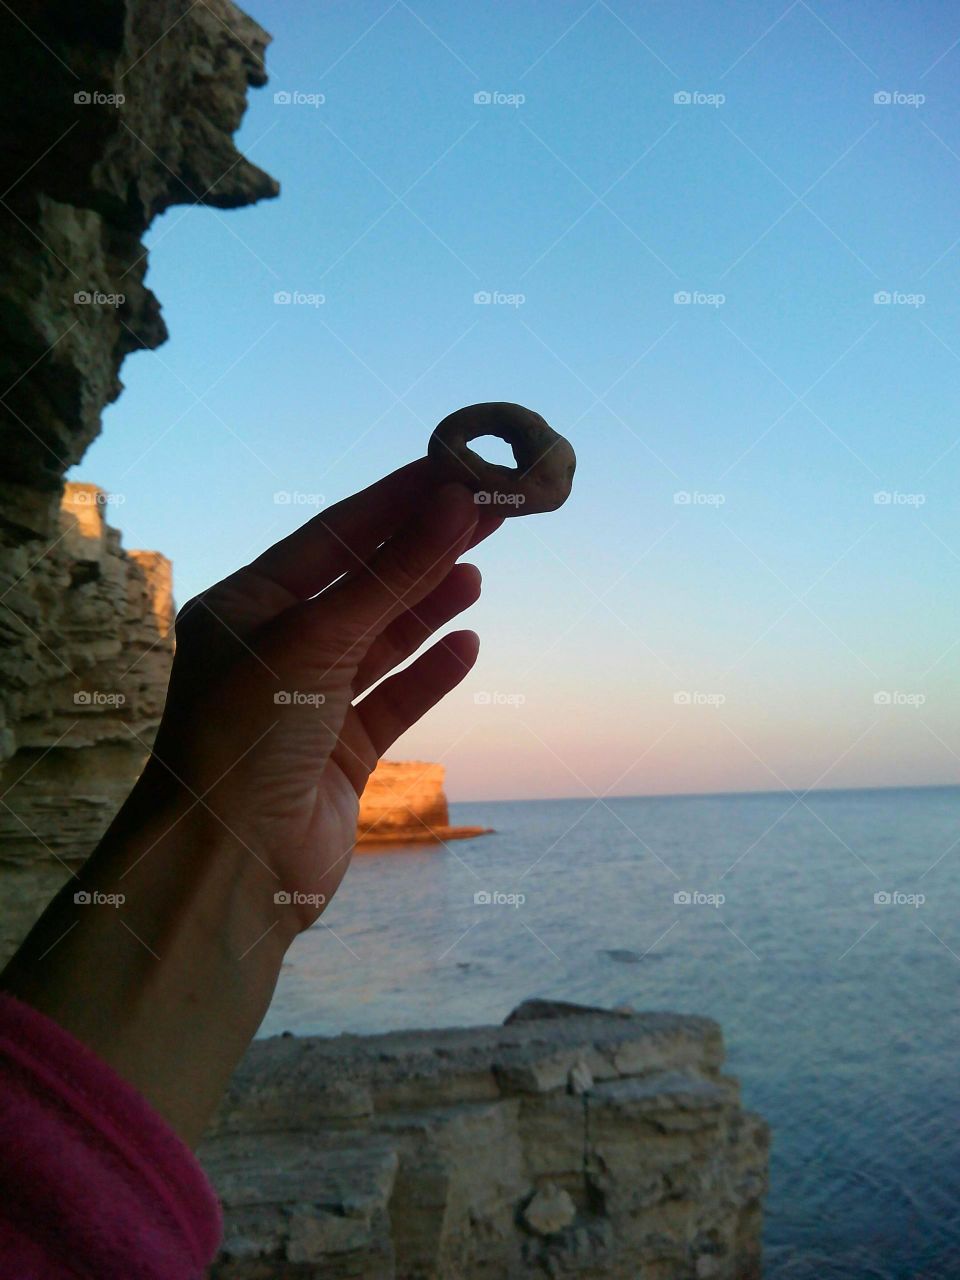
(263, 736)
(249, 794)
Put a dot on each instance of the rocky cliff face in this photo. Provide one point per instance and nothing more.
(404, 803)
(112, 113)
(567, 1142)
(403, 798)
(87, 644)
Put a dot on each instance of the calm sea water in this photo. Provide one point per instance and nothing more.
(840, 1013)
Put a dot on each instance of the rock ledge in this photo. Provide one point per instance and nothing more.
(462, 1154)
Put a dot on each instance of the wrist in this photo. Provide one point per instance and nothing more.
(181, 868)
(163, 953)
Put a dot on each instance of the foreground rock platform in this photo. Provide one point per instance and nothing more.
(568, 1142)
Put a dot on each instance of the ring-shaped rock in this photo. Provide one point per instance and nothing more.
(543, 476)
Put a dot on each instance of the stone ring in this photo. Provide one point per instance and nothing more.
(543, 476)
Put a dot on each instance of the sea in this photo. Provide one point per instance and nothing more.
(821, 929)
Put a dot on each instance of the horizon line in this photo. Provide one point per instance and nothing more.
(798, 792)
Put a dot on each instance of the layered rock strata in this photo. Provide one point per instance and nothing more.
(569, 1141)
(405, 802)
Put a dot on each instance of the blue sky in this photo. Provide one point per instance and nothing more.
(783, 597)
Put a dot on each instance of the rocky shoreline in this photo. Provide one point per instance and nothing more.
(570, 1140)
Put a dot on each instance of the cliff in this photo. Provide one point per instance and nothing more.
(131, 108)
(404, 801)
(111, 114)
(568, 1141)
(86, 635)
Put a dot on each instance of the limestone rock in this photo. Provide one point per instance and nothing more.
(404, 802)
(85, 683)
(402, 795)
(549, 1211)
(130, 107)
(580, 1077)
(301, 1202)
(655, 1169)
(538, 1010)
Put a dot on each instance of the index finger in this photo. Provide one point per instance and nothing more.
(345, 535)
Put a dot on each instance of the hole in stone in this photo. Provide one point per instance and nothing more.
(84, 571)
(493, 449)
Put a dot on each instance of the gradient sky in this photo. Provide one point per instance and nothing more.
(784, 587)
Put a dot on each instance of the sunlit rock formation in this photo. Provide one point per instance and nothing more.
(404, 802)
(87, 643)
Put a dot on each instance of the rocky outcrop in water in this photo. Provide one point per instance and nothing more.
(569, 1141)
(404, 802)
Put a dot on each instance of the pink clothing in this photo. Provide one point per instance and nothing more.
(93, 1183)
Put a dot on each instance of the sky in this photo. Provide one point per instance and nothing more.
(722, 248)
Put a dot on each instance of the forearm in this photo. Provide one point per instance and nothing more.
(169, 984)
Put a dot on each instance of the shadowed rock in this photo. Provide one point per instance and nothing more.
(111, 113)
(463, 1153)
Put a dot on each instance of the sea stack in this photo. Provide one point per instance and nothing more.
(404, 803)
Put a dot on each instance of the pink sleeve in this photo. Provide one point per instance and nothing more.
(93, 1183)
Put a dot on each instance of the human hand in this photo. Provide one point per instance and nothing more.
(266, 740)
(247, 797)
